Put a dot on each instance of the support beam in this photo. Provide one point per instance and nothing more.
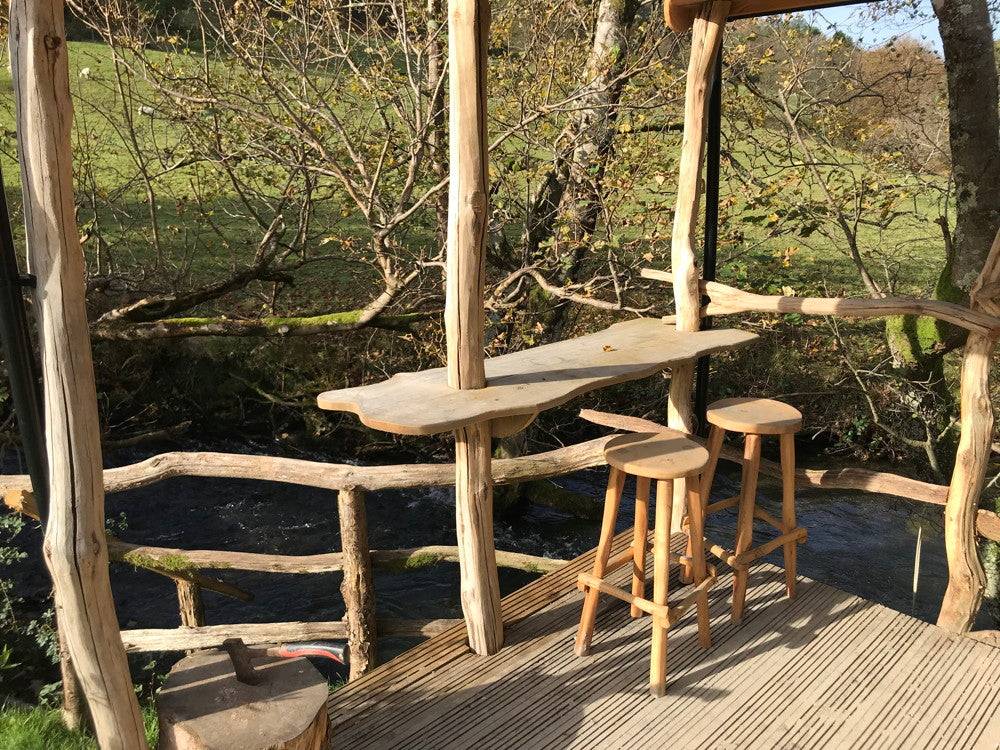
(706, 40)
(75, 550)
(468, 218)
(711, 232)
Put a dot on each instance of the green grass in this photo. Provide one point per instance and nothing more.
(42, 728)
(766, 258)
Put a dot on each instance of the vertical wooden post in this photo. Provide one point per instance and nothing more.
(75, 547)
(706, 37)
(966, 578)
(468, 217)
(189, 604)
(358, 588)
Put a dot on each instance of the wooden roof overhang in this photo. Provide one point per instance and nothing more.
(680, 14)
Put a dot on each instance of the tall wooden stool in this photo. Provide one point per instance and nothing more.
(755, 417)
(663, 456)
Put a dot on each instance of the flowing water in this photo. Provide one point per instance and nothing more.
(858, 542)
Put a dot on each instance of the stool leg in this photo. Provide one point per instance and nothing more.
(639, 537)
(714, 445)
(696, 542)
(616, 479)
(744, 523)
(661, 583)
(788, 508)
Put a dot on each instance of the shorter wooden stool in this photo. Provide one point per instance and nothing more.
(664, 456)
(755, 417)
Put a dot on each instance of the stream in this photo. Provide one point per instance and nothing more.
(858, 542)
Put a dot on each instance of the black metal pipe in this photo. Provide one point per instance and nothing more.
(20, 358)
(712, 159)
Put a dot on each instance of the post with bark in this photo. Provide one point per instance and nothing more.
(966, 578)
(190, 604)
(72, 698)
(75, 548)
(358, 587)
(706, 39)
(468, 217)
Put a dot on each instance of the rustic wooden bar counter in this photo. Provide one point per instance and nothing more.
(517, 387)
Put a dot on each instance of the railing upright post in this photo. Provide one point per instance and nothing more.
(190, 604)
(358, 587)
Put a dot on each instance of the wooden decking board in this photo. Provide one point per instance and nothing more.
(443, 649)
(754, 677)
(866, 725)
(821, 668)
(841, 695)
(920, 689)
(423, 661)
(628, 682)
(932, 709)
(489, 670)
(824, 670)
(974, 730)
(697, 664)
(988, 726)
(824, 675)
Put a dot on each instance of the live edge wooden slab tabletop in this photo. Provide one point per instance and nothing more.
(529, 381)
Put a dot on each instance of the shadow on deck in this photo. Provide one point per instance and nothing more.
(826, 669)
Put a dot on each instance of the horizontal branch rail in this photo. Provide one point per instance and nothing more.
(505, 471)
(142, 555)
(880, 482)
(725, 300)
(331, 476)
(210, 636)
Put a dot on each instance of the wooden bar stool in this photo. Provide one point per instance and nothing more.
(755, 417)
(663, 457)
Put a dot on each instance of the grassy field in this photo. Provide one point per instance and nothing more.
(206, 244)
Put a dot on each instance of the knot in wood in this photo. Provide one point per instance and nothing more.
(53, 43)
(477, 201)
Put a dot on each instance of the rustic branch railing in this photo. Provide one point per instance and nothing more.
(350, 482)
(966, 578)
(185, 566)
(356, 561)
(727, 300)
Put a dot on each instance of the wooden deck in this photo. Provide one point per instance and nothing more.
(825, 670)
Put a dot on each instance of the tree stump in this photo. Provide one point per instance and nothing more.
(203, 706)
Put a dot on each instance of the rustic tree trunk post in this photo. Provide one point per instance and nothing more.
(189, 603)
(468, 218)
(706, 38)
(358, 588)
(75, 548)
(966, 578)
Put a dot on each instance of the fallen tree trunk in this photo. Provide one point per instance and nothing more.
(338, 322)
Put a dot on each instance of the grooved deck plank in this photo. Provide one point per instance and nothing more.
(826, 669)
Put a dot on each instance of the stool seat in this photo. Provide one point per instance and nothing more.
(755, 416)
(656, 455)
